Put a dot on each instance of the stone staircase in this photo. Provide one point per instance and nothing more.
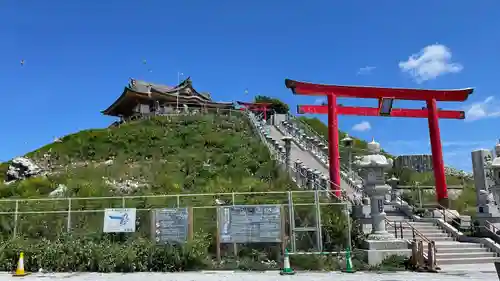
(448, 251)
(309, 150)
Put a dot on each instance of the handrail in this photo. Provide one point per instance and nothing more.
(444, 210)
(495, 229)
(343, 168)
(316, 134)
(274, 155)
(414, 230)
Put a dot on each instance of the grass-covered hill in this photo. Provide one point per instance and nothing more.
(190, 154)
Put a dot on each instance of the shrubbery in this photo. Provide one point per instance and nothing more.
(80, 254)
(70, 254)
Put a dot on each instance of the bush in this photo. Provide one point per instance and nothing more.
(79, 254)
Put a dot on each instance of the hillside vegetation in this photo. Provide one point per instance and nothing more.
(163, 155)
(191, 154)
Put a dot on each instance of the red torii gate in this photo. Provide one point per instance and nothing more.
(386, 97)
(256, 106)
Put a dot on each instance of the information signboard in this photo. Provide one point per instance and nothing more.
(170, 225)
(250, 224)
(119, 220)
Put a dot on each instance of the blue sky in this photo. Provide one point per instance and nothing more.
(79, 55)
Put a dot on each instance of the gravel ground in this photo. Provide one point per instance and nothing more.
(453, 275)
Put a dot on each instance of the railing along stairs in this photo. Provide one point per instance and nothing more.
(260, 128)
(421, 259)
(352, 179)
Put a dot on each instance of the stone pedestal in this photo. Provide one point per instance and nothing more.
(377, 250)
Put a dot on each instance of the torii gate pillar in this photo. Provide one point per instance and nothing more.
(437, 154)
(333, 145)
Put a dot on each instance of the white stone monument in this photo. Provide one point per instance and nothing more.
(495, 175)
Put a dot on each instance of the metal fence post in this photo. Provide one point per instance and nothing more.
(68, 223)
(233, 198)
(15, 218)
(319, 234)
(123, 201)
(348, 227)
(178, 201)
(291, 222)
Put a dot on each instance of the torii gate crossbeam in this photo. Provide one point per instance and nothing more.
(257, 106)
(431, 113)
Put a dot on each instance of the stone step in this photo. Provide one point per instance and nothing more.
(459, 250)
(423, 223)
(468, 254)
(425, 226)
(467, 260)
(426, 234)
(397, 218)
(455, 245)
(437, 238)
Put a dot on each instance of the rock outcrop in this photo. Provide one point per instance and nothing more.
(22, 168)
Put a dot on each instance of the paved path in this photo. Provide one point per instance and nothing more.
(265, 276)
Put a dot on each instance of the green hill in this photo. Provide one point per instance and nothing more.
(192, 154)
(159, 156)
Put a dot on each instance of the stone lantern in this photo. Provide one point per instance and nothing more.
(372, 168)
(393, 182)
(348, 142)
(379, 243)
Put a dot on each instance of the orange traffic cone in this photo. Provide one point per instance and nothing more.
(20, 267)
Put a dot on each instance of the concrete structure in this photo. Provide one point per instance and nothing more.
(487, 209)
(386, 96)
(420, 163)
(379, 243)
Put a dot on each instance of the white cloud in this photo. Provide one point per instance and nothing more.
(366, 70)
(488, 108)
(431, 62)
(362, 127)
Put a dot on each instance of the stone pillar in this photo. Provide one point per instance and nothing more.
(310, 145)
(288, 146)
(495, 174)
(303, 175)
(281, 150)
(315, 148)
(393, 182)
(481, 159)
(317, 180)
(297, 165)
(310, 179)
(324, 182)
(325, 152)
(372, 171)
(321, 151)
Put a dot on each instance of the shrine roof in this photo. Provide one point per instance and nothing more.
(145, 89)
